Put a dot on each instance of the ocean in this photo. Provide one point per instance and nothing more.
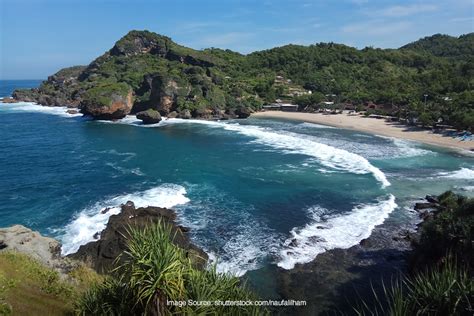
(255, 192)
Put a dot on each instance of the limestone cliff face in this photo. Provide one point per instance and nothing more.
(108, 103)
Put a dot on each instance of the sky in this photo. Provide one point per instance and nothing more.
(39, 37)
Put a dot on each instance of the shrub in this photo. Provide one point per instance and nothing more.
(155, 271)
(446, 289)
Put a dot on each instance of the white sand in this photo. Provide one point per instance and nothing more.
(373, 126)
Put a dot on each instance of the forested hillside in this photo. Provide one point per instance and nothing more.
(430, 80)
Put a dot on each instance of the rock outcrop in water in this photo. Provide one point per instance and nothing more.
(101, 254)
(149, 116)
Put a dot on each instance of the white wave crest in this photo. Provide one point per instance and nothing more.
(36, 108)
(328, 156)
(92, 220)
(340, 231)
(463, 174)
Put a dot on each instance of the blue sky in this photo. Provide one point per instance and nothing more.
(38, 37)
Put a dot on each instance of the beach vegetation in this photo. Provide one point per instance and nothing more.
(156, 272)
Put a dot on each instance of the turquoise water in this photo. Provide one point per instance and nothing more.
(255, 192)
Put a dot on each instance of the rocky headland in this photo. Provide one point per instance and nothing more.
(145, 74)
(101, 254)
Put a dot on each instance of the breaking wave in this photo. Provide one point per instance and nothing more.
(463, 173)
(327, 232)
(328, 156)
(36, 108)
(92, 220)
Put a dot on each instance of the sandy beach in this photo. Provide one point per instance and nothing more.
(373, 126)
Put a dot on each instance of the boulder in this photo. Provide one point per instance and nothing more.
(172, 114)
(243, 112)
(432, 199)
(149, 116)
(108, 102)
(72, 111)
(203, 113)
(185, 114)
(100, 255)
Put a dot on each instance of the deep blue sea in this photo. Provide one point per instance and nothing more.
(254, 192)
(7, 86)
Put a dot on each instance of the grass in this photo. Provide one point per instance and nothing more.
(155, 271)
(27, 287)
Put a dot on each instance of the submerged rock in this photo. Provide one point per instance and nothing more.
(149, 116)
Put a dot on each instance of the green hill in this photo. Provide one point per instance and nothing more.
(145, 70)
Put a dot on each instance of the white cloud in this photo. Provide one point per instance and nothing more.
(223, 40)
(359, 2)
(376, 28)
(462, 19)
(401, 11)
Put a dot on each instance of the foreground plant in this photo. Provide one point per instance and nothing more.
(445, 290)
(156, 272)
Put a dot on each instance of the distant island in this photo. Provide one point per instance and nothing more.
(429, 81)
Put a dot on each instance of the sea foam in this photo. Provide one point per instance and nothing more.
(92, 220)
(340, 231)
(36, 108)
(463, 174)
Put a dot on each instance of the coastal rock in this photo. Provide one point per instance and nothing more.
(432, 199)
(165, 91)
(109, 102)
(149, 116)
(61, 89)
(72, 111)
(44, 249)
(7, 100)
(202, 113)
(186, 114)
(243, 112)
(424, 205)
(25, 95)
(172, 114)
(100, 255)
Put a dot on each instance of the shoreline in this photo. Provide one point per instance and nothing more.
(375, 127)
